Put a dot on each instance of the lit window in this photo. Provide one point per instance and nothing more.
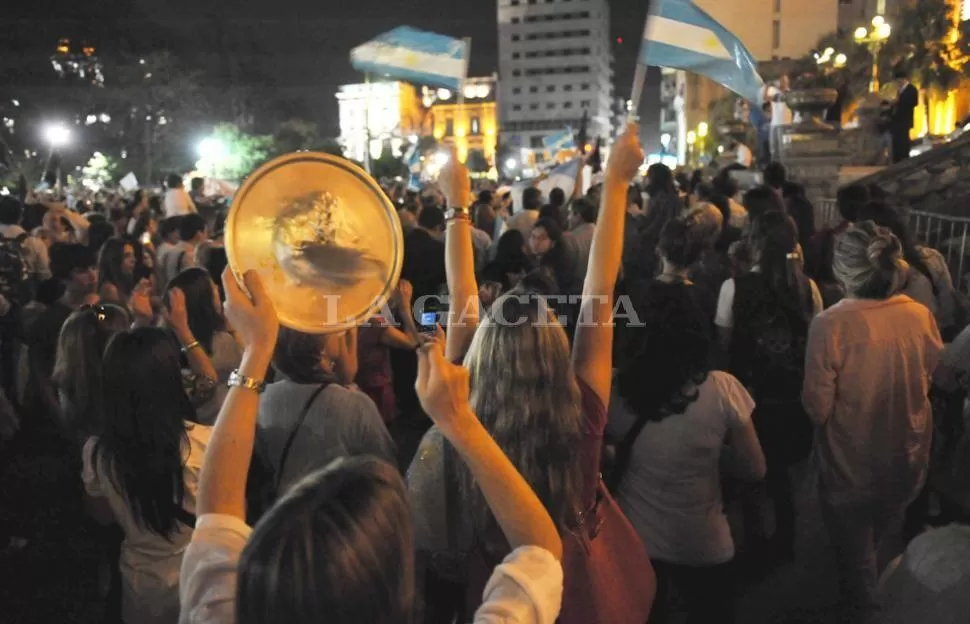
(476, 126)
(776, 34)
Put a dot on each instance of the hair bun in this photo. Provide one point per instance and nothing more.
(884, 249)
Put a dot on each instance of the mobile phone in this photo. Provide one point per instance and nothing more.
(428, 322)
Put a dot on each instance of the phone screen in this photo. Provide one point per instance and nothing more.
(428, 322)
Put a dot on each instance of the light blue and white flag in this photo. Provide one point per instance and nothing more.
(563, 176)
(414, 55)
(559, 141)
(412, 158)
(680, 35)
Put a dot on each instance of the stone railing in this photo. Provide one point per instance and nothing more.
(935, 182)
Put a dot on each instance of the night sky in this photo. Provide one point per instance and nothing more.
(299, 48)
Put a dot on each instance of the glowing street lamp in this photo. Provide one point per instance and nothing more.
(510, 164)
(57, 135)
(874, 40)
(691, 137)
(702, 129)
(841, 60)
(212, 151)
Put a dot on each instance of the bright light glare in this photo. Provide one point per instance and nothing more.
(883, 31)
(57, 135)
(665, 139)
(510, 163)
(441, 159)
(691, 138)
(702, 129)
(840, 60)
(878, 21)
(211, 148)
(861, 32)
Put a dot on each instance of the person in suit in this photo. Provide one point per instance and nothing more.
(902, 116)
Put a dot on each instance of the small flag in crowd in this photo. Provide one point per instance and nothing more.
(680, 35)
(129, 183)
(412, 158)
(413, 55)
(559, 141)
(563, 176)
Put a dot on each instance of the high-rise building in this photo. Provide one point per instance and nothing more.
(554, 65)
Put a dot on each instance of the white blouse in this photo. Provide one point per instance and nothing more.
(149, 562)
(526, 588)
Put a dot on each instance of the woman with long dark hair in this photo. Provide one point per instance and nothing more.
(544, 404)
(675, 422)
(549, 247)
(142, 468)
(663, 205)
(77, 370)
(210, 330)
(511, 261)
(116, 269)
(762, 320)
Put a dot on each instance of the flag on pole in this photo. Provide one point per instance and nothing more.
(680, 35)
(413, 55)
(563, 176)
(559, 141)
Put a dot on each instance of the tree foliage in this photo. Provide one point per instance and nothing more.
(242, 152)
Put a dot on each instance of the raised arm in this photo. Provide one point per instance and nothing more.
(593, 344)
(443, 390)
(463, 312)
(222, 485)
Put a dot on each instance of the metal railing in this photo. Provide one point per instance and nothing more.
(948, 235)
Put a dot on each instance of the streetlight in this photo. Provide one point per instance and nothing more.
(874, 40)
(510, 164)
(212, 151)
(841, 59)
(691, 137)
(702, 129)
(57, 135)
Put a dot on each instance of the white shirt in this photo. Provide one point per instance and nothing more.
(149, 562)
(177, 203)
(868, 365)
(780, 113)
(526, 588)
(743, 155)
(671, 491)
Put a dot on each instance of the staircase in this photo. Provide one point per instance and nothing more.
(935, 182)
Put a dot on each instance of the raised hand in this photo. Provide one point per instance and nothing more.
(442, 387)
(254, 318)
(626, 156)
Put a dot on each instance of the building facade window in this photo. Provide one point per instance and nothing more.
(567, 105)
(516, 37)
(516, 90)
(476, 126)
(535, 143)
(516, 73)
(776, 34)
(533, 89)
(550, 105)
(533, 106)
(517, 107)
(550, 88)
(516, 55)
(449, 127)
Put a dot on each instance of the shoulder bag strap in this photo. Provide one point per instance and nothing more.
(624, 449)
(296, 428)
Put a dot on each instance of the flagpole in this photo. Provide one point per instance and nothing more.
(639, 78)
(367, 122)
(461, 90)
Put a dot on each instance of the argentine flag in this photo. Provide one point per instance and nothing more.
(413, 55)
(559, 141)
(413, 161)
(679, 35)
(563, 176)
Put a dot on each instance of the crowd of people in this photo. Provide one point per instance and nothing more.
(613, 371)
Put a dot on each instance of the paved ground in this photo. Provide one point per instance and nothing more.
(54, 580)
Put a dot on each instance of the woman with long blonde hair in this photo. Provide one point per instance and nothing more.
(544, 404)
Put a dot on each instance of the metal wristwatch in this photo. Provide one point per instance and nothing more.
(241, 381)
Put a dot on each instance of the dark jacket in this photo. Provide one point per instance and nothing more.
(903, 109)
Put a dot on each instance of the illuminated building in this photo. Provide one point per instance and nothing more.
(470, 126)
(79, 60)
(385, 113)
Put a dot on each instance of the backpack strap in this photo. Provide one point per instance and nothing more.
(624, 449)
(296, 428)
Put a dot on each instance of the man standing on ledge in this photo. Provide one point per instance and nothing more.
(902, 118)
